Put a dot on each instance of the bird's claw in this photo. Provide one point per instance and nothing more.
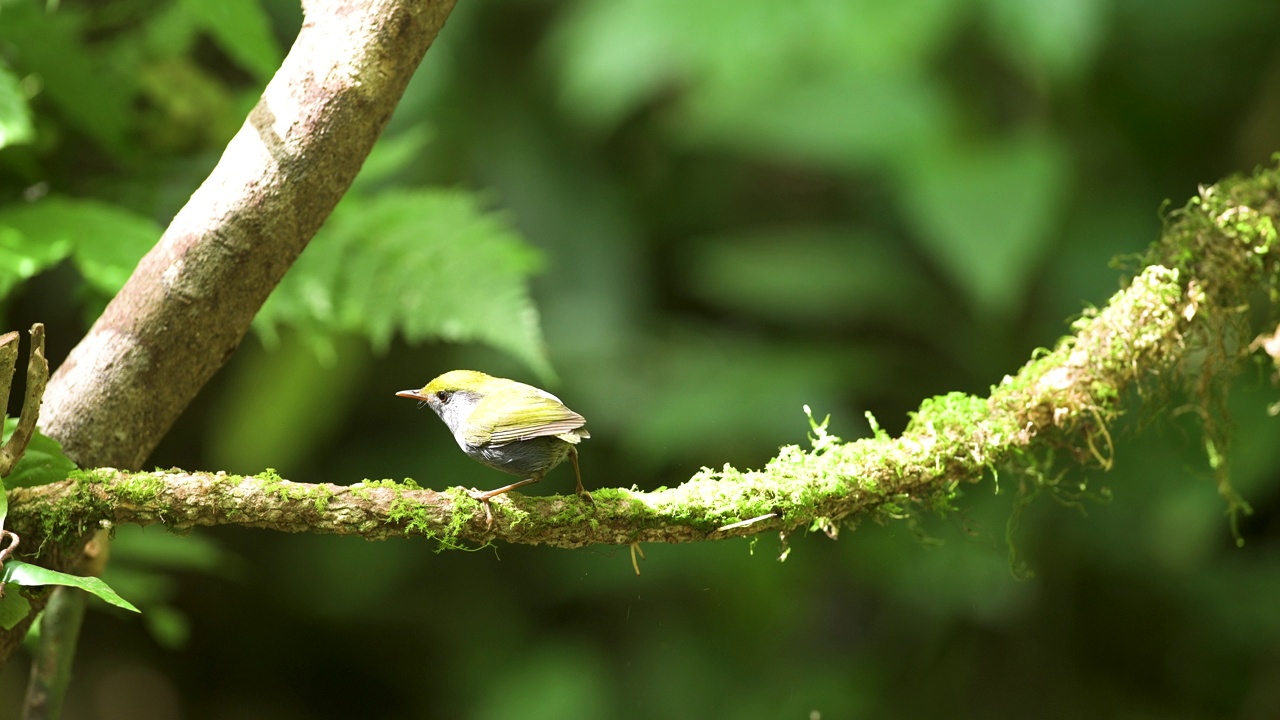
(483, 497)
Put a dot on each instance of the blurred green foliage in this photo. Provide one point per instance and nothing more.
(15, 116)
(721, 211)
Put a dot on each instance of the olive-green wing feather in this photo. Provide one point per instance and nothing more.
(517, 414)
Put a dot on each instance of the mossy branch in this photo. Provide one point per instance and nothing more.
(951, 439)
(1177, 324)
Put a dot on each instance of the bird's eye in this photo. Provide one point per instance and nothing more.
(442, 395)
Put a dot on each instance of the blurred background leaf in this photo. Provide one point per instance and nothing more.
(15, 116)
(987, 214)
(701, 215)
(1054, 40)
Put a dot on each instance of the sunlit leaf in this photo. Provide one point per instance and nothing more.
(22, 256)
(15, 115)
(106, 241)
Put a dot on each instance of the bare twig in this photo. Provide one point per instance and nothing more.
(37, 377)
(8, 363)
(10, 547)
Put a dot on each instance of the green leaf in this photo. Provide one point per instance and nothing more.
(22, 256)
(243, 30)
(28, 575)
(106, 241)
(425, 264)
(4, 504)
(15, 115)
(13, 608)
(42, 463)
(986, 213)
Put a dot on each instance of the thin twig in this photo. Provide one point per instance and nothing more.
(37, 377)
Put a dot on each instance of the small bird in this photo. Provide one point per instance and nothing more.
(507, 425)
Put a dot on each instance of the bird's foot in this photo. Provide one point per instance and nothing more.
(484, 498)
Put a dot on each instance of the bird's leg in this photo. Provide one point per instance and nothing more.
(487, 495)
(577, 474)
(484, 496)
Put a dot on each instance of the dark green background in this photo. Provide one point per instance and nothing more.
(742, 207)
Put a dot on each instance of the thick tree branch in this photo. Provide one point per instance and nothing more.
(1068, 393)
(189, 302)
(191, 299)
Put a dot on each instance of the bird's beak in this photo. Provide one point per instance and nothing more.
(411, 394)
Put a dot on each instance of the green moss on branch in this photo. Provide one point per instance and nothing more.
(1179, 325)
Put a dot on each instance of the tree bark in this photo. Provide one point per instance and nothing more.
(191, 299)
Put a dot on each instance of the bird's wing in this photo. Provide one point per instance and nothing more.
(504, 417)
